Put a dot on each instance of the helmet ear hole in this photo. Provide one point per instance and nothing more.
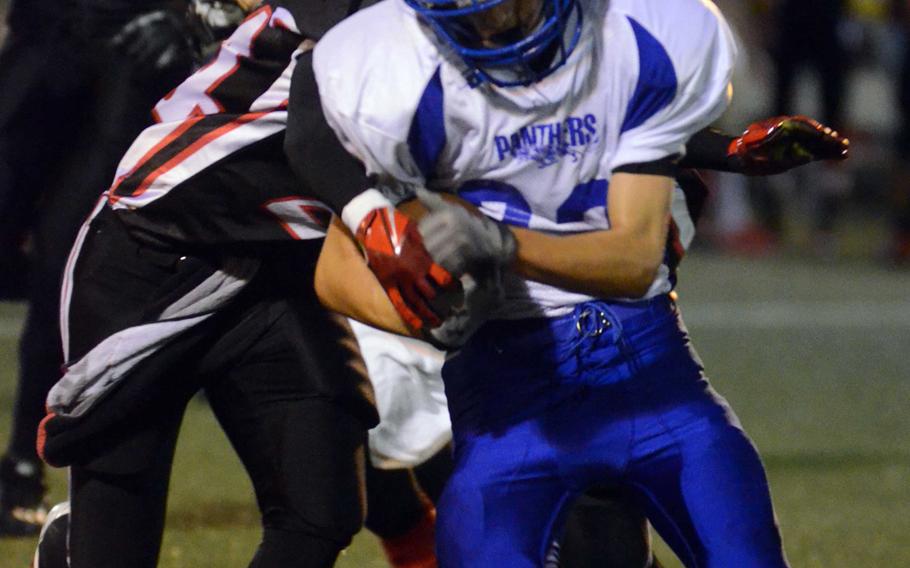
(505, 42)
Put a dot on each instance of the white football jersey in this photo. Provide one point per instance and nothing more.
(646, 75)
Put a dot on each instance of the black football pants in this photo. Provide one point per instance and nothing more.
(303, 452)
(268, 363)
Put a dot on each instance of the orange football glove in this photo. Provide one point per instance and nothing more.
(778, 144)
(395, 253)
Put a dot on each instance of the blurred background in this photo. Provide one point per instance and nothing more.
(845, 63)
(795, 294)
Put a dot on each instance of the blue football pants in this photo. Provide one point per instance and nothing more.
(612, 393)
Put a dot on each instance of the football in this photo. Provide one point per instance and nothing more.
(448, 300)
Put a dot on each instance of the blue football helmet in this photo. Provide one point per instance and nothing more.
(534, 38)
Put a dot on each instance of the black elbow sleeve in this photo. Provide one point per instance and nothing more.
(707, 150)
(316, 156)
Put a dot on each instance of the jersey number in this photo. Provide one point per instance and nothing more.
(196, 96)
(498, 197)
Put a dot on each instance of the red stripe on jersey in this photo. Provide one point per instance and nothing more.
(195, 147)
(176, 133)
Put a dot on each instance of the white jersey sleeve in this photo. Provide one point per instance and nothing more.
(686, 54)
(372, 86)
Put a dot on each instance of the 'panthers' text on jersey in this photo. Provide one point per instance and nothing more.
(646, 75)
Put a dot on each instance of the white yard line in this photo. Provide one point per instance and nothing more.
(781, 314)
(797, 314)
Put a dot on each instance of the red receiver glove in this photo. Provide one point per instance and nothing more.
(396, 255)
(775, 145)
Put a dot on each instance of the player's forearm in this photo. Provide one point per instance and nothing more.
(604, 264)
(346, 285)
(619, 262)
(766, 147)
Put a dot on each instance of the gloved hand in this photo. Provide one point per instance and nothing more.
(777, 144)
(460, 241)
(482, 294)
(155, 42)
(395, 253)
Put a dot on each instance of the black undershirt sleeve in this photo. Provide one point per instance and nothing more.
(315, 17)
(668, 166)
(315, 154)
(707, 150)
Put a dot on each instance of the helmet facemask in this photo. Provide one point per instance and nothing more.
(505, 42)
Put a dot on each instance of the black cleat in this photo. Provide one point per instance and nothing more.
(22, 508)
(52, 544)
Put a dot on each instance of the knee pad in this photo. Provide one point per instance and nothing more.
(282, 548)
(53, 543)
(279, 526)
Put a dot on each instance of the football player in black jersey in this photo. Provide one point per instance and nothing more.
(195, 272)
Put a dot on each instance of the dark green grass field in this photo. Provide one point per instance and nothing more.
(814, 358)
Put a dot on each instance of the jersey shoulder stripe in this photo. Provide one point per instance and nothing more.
(427, 135)
(657, 83)
(381, 82)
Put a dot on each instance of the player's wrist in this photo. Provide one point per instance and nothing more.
(506, 246)
(734, 155)
(709, 149)
(752, 153)
(357, 210)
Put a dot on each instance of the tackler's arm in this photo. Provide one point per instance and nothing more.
(345, 284)
(770, 146)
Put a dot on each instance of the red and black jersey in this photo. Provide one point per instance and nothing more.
(212, 169)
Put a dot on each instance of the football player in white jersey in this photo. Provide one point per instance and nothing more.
(565, 120)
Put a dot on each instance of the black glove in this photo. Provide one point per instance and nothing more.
(155, 42)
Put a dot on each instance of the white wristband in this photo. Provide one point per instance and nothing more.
(356, 209)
